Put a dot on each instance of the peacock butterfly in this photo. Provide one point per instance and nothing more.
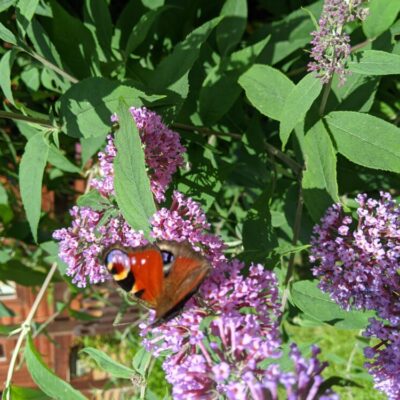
(162, 276)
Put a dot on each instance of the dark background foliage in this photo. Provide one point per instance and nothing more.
(266, 154)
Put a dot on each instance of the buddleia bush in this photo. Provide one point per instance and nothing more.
(260, 138)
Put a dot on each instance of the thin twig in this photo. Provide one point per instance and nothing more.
(20, 117)
(361, 45)
(205, 131)
(46, 323)
(296, 71)
(293, 165)
(26, 327)
(296, 234)
(50, 65)
(351, 358)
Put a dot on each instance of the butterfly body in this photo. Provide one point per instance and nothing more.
(162, 276)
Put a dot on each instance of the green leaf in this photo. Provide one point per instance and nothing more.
(26, 129)
(60, 161)
(357, 94)
(319, 182)
(267, 89)
(5, 311)
(203, 181)
(258, 234)
(106, 363)
(6, 4)
(297, 103)
(381, 15)
(47, 381)
(6, 64)
(16, 271)
(52, 249)
(289, 34)
(375, 62)
(98, 21)
(31, 171)
(218, 94)
(231, 29)
(366, 140)
(7, 35)
(92, 199)
(131, 183)
(172, 71)
(22, 393)
(153, 4)
(43, 44)
(91, 145)
(141, 361)
(244, 58)
(81, 57)
(3, 195)
(142, 28)
(86, 108)
(313, 302)
(31, 78)
(25, 10)
(220, 88)
(83, 316)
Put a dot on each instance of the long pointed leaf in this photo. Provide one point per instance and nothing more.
(47, 381)
(131, 183)
(30, 179)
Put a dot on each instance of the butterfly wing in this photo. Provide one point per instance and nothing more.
(147, 269)
(186, 274)
(164, 285)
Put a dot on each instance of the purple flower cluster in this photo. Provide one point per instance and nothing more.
(358, 264)
(385, 357)
(162, 148)
(84, 241)
(331, 45)
(223, 356)
(217, 344)
(104, 183)
(185, 220)
(304, 383)
(242, 332)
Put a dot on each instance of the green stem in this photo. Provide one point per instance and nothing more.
(296, 234)
(26, 118)
(26, 327)
(325, 96)
(50, 65)
(293, 165)
(361, 45)
(11, 147)
(205, 131)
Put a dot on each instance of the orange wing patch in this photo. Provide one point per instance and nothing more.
(147, 269)
(184, 279)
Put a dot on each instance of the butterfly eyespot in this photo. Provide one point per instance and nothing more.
(117, 261)
(168, 258)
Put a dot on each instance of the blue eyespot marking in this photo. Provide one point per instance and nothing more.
(167, 257)
(117, 260)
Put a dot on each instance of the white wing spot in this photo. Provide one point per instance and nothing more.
(143, 261)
